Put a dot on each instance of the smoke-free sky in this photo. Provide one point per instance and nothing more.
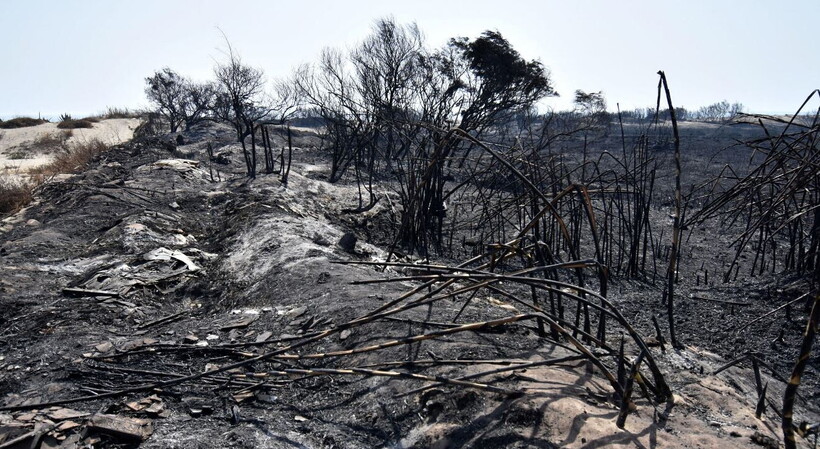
(80, 56)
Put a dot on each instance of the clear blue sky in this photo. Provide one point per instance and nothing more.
(81, 56)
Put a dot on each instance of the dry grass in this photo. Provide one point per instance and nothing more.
(72, 159)
(14, 194)
(51, 141)
(115, 112)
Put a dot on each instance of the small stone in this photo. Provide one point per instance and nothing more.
(766, 441)
(54, 387)
(211, 367)
(174, 205)
(263, 336)
(33, 223)
(190, 339)
(104, 347)
(320, 240)
(269, 398)
(344, 334)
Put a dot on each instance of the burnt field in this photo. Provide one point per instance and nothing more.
(396, 248)
(513, 292)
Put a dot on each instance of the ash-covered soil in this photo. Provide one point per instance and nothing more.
(160, 263)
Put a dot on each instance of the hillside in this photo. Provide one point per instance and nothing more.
(25, 148)
(125, 285)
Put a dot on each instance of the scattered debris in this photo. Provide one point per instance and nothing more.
(125, 429)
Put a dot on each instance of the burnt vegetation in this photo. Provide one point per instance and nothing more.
(483, 195)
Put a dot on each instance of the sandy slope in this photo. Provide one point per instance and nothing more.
(19, 150)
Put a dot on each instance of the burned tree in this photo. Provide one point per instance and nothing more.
(179, 100)
(778, 199)
(241, 101)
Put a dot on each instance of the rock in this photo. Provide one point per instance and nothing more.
(297, 312)
(320, 239)
(211, 367)
(348, 242)
(190, 339)
(263, 336)
(243, 321)
(269, 398)
(344, 334)
(104, 347)
(197, 406)
(33, 223)
(765, 441)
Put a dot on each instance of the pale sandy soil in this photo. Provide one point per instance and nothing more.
(20, 150)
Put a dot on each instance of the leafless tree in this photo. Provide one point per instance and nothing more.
(179, 100)
(388, 105)
(241, 100)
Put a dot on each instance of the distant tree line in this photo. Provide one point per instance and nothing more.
(719, 112)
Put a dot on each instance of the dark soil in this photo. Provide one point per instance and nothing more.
(265, 277)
